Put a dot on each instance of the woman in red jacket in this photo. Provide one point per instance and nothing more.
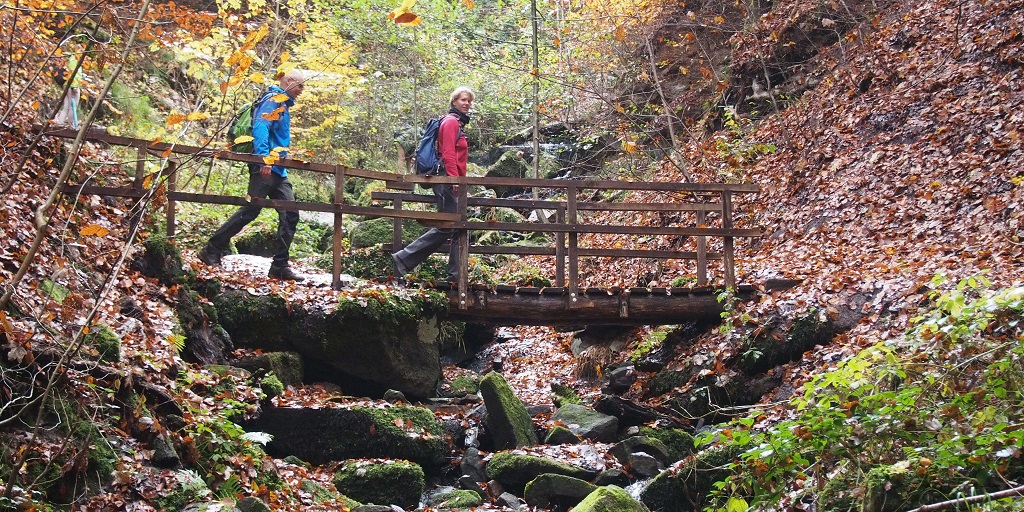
(451, 141)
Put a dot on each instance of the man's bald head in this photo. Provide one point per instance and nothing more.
(292, 83)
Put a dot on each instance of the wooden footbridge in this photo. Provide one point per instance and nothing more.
(699, 219)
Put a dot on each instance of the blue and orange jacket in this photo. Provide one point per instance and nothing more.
(268, 134)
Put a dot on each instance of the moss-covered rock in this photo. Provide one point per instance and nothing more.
(258, 240)
(464, 385)
(106, 342)
(271, 386)
(686, 488)
(320, 436)
(508, 421)
(587, 423)
(204, 343)
(287, 366)
(322, 494)
(161, 259)
(678, 442)
(382, 482)
(562, 394)
(458, 499)
(561, 435)
(256, 321)
(610, 499)
(556, 492)
(381, 230)
(515, 470)
(510, 165)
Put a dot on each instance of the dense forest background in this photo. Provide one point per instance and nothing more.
(886, 137)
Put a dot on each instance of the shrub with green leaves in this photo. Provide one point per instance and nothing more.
(938, 414)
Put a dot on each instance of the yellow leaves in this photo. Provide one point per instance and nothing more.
(630, 146)
(242, 139)
(683, 70)
(270, 159)
(95, 230)
(403, 15)
(719, 19)
(620, 33)
(197, 116)
(469, 4)
(279, 98)
(257, 78)
(285, 57)
(1017, 180)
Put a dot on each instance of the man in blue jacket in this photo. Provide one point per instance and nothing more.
(271, 129)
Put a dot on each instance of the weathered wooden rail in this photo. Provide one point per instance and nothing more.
(708, 212)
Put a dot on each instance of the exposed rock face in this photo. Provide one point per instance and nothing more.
(320, 436)
(367, 348)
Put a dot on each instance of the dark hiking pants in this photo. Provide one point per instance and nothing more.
(273, 187)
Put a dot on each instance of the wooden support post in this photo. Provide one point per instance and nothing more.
(462, 238)
(702, 251)
(573, 250)
(396, 227)
(560, 249)
(728, 254)
(339, 200)
(140, 168)
(172, 187)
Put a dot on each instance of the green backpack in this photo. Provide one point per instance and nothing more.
(241, 124)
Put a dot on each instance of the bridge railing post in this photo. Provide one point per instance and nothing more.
(571, 218)
(462, 238)
(172, 187)
(560, 248)
(728, 253)
(339, 200)
(702, 251)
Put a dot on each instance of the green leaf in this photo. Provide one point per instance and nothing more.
(736, 505)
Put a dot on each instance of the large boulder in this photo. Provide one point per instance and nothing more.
(685, 489)
(610, 499)
(515, 470)
(321, 436)
(508, 421)
(556, 492)
(381, 482)
(366, 345)
(587, 423)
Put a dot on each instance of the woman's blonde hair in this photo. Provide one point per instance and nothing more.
(459, 92)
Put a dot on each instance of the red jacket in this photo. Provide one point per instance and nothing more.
(453, 145)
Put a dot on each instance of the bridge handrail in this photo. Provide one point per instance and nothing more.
(707, 198)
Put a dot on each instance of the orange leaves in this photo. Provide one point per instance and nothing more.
(275, 114)
(176, 118)
(94, 230)
(280, 98)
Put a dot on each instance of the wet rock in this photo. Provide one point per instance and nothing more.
(587, 423)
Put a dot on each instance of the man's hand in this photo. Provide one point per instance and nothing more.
(265, 171)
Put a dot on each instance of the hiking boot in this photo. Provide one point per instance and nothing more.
(400, 268)
(209, 257)
(285, 273)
